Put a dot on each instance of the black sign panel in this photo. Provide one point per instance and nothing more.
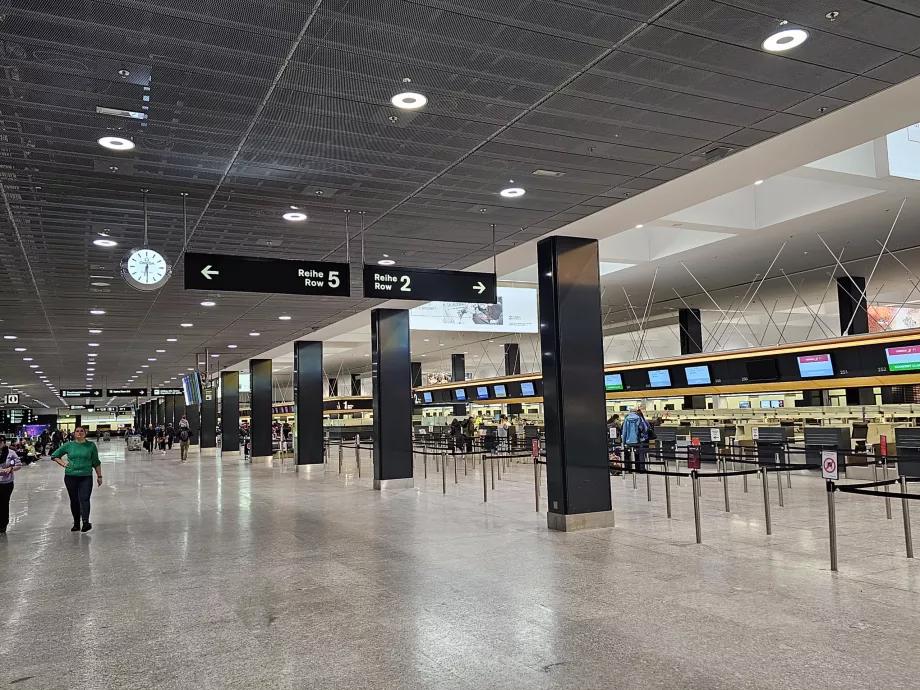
(82, 407)
(127, 392)
(244, 274)
(81, 393)
(167, 391)
(391, 282)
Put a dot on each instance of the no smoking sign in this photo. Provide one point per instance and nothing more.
(829, 464)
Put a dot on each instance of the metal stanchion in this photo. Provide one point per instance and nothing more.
(766, 498)
(885, 488)
(443, 472)
(632, 452)
(340, 456)
(745, 482)
(536, 482)
(667, 492)
(491, 468)
(485, 483)
(425, 462)
(832, 524)
(695, 480)
(905, 511)
(358, 454)
(456, 480)
(725, 489)
(648, 482)
(465, 464)
(786, 462)
(779, 482)
(500, 459)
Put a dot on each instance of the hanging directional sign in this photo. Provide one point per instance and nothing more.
(167, 391)
(126, 392)
(392, 282)
(81, 393)
(11, 399)
(220, 273)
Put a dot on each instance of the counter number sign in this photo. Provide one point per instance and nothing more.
(829, 464)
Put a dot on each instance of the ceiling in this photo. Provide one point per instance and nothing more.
(255, 107)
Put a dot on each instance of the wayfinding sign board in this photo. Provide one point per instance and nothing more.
(81, 393)
(222, 273)
(167, 391)
(392, 282)
(127, 392)
(11, 399)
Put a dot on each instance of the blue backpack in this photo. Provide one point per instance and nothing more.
(632, 429)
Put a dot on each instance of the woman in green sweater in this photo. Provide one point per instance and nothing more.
(79, 458)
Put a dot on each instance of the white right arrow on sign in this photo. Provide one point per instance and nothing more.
(479, 287)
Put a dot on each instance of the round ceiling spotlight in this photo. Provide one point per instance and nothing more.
(100, 284)
(105, 243)
(116, 143)
(95, 331)
(97, 312)
(208, 303)
(295, 216)
(784, 40)
(409, 100)
(512, 192)
(186, 325)
(758, 182)
(386, 262)
(9, 337)
(284, 318)
(232, 347)
(254, 334)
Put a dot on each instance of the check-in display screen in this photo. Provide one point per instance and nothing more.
(500, 391)
(659, 378)
(527, 388)
(482, 392)
(613, 382)
(697, 376)
(426, 397)
(460, 394)
(903, 358)
(811, 366)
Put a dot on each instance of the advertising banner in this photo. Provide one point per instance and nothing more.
(515, 312)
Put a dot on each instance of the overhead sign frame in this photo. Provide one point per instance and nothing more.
(226, 273)
(81, 392)
(427, 284)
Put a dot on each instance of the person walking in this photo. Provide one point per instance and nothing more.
(79, 458)
(9, 463)
(170, 436)
(185, 438)
(56, 439)
(150, 435)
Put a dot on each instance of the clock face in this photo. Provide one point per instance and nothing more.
(145, 269)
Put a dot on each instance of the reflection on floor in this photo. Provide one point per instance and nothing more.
(218, 574)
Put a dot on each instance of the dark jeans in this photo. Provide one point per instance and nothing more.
(6, 490)
(79, 489)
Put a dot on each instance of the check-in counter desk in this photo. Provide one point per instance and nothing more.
(820, 438)
(709, 449)
(771, 442)
(667, 439)
(907, 440)
(348, 433)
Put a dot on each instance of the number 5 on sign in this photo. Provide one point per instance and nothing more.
(829, 468)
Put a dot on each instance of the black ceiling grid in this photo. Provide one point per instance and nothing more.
(618, 97)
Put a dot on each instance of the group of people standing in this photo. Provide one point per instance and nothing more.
(78, 457)
(162, 437)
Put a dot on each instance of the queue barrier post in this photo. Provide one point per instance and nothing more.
(485, 482)
(358, 454)
(725, 489)
(832, 524)
(695, 479)
(885, 488)
(766, 499)
(632, 464)
(536, 482)
(491, 468)
(905, 511)
(341, 453)
(444, 472)
(456, 479)
(667, 490)
(779, 483)
(648, 481)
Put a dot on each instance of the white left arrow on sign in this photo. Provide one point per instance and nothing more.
(207, 272)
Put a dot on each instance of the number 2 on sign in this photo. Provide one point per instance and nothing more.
(405, 284)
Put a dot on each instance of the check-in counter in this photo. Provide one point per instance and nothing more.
(907, 439)
(821, 438)
(771, 442)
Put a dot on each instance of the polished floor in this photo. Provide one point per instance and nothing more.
(220, 574)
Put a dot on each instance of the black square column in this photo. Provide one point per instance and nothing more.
(512, 359)
(170, 402)
(208, 416)
(161, 412)
(178, 410)
(571, 340)
(193, 415)
(229, 411)
(392, 374)
(854, 320)
(458, 375)
(260, 373)
(308, 402)
(691, 343)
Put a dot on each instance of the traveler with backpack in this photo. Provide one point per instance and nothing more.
(635, 438)
(185, 437)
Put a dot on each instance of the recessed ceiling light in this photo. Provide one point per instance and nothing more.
(116, 143)
(33, 366)
(26, 359)
(215, 355)
(785, 40)
(512, 192)
(97, 312)
(88, 369)
(386, 262)
(145, 366)
(93, 344)
(190, 369)
(20, 349)
(9, 337)
(90, 354)
(100, 284)
(208, 303)
(40, 372)
(161, 351)
(409, 101)
(284, 318)
(138, 372)
(640, 226)
(171, 340)
(759, 182)
(295, 216)
(95, 331)
(186, 325)
(151, 359)
(105, 243)
(232, 347)
(254, 335)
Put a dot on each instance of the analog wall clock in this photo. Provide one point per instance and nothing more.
(144, 268)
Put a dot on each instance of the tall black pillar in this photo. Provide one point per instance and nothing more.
(458, 375)
(308, 402)
(355, 384)
(193, 415)
(208, 416)
(161, 412)
(77, 421)
(392, 393)
(854, 320)
(260, 374)
(178, 409)
(170, 402)
(571, 340)
(512, 359)
(230, 411)
(416, 374)
(691, 343)
(333, 388)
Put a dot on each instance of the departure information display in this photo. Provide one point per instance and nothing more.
(903, 358)
(613, 382)
(811, 366)
(500, 391)
(460, 394)
(426, 397)
(659, 378)
(482, 392)
(527, 388)
(697, 376)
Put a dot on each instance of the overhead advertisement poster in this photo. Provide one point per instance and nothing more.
(883, 318)
(515, 312)
(904, 153)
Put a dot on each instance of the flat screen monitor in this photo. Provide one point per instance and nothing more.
(426, 397)
(904, 358)
(765, 403)
(460, 394)
(527, 388)
(811, 366)
(191, 388)
(613, 382)
(744, 404)
(761, 370)
(659, 378)
(482, 392)
(500, 391)
(777, 403)
(698, 376)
